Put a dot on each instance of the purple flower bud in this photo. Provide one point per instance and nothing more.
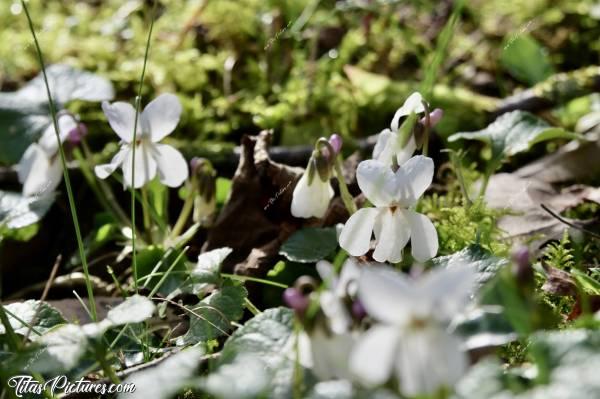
(358, 310)
(434, 117)
(336, 142)
(295, 300)
(194, 163)
(77, 133)
(520, 255)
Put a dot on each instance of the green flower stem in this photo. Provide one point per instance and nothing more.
(63, 161)
(104, 187)
(146, 215)
(41, 380)
(186, 210)
(251, 307)
(346, 196)
(109, 372)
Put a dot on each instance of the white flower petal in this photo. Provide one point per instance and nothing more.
(330, 354)
(145, 166)
(448, 289)
(356, 234)
(404, 154)
(105, 170)
(121, 117)
(412, 104)
(335, 311)
(327, 273)
(38, 173)
(161, 116)
(423, 238)
(348, 281)
(172, 166)
(413, 178)
(392, 232)
(372, 358)
(383, 151)
(377, 181)
(311, 200)
(387, 295)
(48, 139)
(429, 359)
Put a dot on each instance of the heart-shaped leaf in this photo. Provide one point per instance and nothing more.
(22, 315)
(269, 337)
(24, 114)
(514, 132)
(17, 211)
(166, 379)
(486, 265)
(212, 317)
(310, 245)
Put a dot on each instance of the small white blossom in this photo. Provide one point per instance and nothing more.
(311, 199)
(338, 289)
(388, 143)
(158, 120)
(411, 340)
(40, 169)
(392, 220)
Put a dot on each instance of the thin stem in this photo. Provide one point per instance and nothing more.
(164, 277)
(13, 340)
(346, 196)
(425, 149)
(186, 210)
(253, 279)
(109, 372)
(251, 307)
(64, 166)
(138, 101)
(145, 205)
(105, 189)
(111, 272)
(573, 225)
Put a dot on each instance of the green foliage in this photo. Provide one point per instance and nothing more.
(560, 254)
(310, 245)
(512, 133)
(459, 225)
(526, 60)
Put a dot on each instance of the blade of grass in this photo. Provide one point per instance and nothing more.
(138, 102)
(63, 161)
(164, 277)
(254, 279)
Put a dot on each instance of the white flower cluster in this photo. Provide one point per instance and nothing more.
(409, 339)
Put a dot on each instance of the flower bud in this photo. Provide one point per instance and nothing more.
(296, 300)
(77, 133)
(335, 140)
(358, 310)
(522, 269)
(434, 117)
(204, 180)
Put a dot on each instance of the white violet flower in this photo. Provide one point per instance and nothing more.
(313, 191)
(411, 340)
(40, 169)
(388, 143)
(158, 119)
(392, 220)
(338, 288)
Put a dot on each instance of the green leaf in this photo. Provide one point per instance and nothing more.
(310, 245)
(24, 114)
(165, 380)
(485, 327)
(47, 317)
(270, 338)
(17, 211)
(208, 267)
(514, 132)
(565, 368)
(154, 260)
(526, 60)
(587, 283)
(485, 264)
(245, 377)
(212, 317)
